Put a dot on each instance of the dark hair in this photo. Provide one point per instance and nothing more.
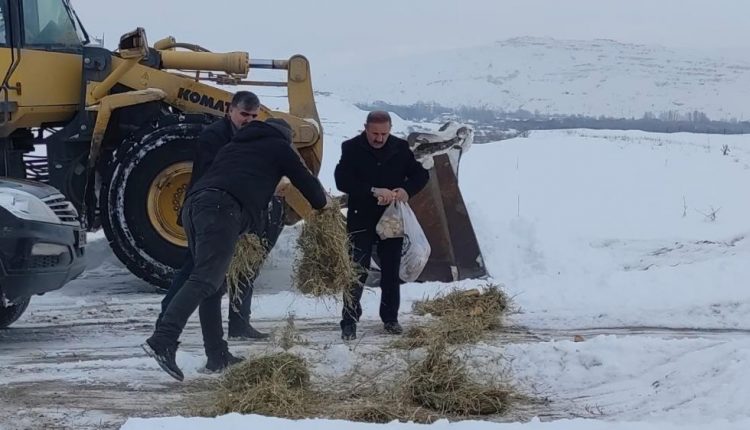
(378, 117)
(245, 100)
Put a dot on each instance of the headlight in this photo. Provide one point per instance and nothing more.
(26, 206)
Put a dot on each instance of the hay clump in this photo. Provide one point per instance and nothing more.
(324, 266)
(277, 385)
(415, 337)
(462, 317)
(453, 329)
(440, 383)
(249, 255)
(474, 303)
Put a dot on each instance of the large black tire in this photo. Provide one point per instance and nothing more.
(11, 314)
(132, 235)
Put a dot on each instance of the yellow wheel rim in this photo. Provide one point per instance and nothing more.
(165, 197)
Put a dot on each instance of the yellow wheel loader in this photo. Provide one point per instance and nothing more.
(119, 130)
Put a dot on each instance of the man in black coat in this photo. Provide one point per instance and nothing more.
(375, 170)
(227, 201)
(245, 107)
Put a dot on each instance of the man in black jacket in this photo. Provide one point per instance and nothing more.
(375, 170)
(227, 201)
(245, 107)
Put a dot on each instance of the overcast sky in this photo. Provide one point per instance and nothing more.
(343, 31)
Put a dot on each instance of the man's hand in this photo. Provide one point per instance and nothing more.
(281, 187)
(384, 196)
(401, 195)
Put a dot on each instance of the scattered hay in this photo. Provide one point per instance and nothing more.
(458, 329)
(472, 303)
(275, 385)
(324, 266)
(382, 410)
(289, 337)
(266, 398)
(440, 383)
(462, 317)
(452, 329)
(249, 255)
(289, 369)
(414, 337)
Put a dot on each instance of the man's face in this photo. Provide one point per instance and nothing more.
(377, 133)
(241, 116)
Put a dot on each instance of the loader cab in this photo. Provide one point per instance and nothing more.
(41, 63)
(51, 25)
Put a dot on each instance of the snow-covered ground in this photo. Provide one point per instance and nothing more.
(603, 235)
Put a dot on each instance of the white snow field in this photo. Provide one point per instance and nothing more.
(600, 234)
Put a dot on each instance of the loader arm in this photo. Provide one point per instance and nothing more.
(191, 96)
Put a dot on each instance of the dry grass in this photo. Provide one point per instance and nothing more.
(324, 266)
(440, 383)
(249, 255)
(451, 329)
(472, 303)
(415, 337)
(436, 387)
(277, 385)
(381, 409)
(462, 317)
(289, 336)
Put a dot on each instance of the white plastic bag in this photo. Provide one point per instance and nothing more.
(416, 249)
(391, 224)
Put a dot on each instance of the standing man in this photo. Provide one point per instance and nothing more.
(227, 201)
(376, 169)
(245, 107)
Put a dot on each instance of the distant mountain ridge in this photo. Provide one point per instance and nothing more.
(557, 77)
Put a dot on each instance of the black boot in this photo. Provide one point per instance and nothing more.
(348, 331)
(393, 327)
(219, 362)
(165, 357)
(245, 332)
(239, 317)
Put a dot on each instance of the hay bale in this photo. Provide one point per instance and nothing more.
(440, 383)
(324, 266)
(249, 255)
(275, 385)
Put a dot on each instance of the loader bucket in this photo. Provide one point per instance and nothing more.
(442, 213)
(440, 208)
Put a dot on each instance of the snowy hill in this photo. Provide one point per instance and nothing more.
(593, 78)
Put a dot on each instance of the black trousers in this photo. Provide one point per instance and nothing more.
(240, 315)
(213, 221)
(389, 252)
